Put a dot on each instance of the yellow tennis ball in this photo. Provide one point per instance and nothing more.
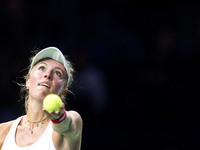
(52, 102)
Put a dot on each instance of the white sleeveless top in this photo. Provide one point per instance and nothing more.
(45, 142)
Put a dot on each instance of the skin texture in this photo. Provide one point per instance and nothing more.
(46, 77)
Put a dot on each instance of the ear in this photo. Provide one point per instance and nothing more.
(63, 93)
(27, 82)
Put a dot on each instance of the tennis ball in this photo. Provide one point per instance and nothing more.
(52, 102)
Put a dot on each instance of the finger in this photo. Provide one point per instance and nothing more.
(55, 114)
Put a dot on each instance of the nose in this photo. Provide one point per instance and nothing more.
(48, 75)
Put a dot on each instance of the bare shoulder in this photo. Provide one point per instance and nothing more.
(5, 126)
(4, 129)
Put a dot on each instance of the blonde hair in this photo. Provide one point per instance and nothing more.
(24, 91)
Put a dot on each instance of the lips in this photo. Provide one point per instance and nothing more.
(44, 84)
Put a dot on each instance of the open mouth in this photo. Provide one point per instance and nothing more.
(44, 84)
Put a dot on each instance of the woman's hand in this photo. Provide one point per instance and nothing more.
(53, 115)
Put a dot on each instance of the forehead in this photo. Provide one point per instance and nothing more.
(52, 63)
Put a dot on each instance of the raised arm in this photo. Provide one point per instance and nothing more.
(67, 130)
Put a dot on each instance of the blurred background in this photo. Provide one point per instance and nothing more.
(137, 81)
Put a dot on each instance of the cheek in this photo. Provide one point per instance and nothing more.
(34, 76)
(59, 87)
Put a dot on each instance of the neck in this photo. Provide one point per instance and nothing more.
(31, 119)
(35, 110)
(33, 124)
(35, 116)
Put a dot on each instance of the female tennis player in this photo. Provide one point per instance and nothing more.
(49, 73)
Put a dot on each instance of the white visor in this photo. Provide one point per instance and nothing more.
(53, 53)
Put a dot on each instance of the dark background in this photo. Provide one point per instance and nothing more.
(137, 81)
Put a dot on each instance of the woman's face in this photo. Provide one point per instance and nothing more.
(47, 76)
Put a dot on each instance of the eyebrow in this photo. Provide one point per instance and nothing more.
(54, 68)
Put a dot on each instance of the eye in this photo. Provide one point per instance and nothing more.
(42, 68)
(58, 73)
